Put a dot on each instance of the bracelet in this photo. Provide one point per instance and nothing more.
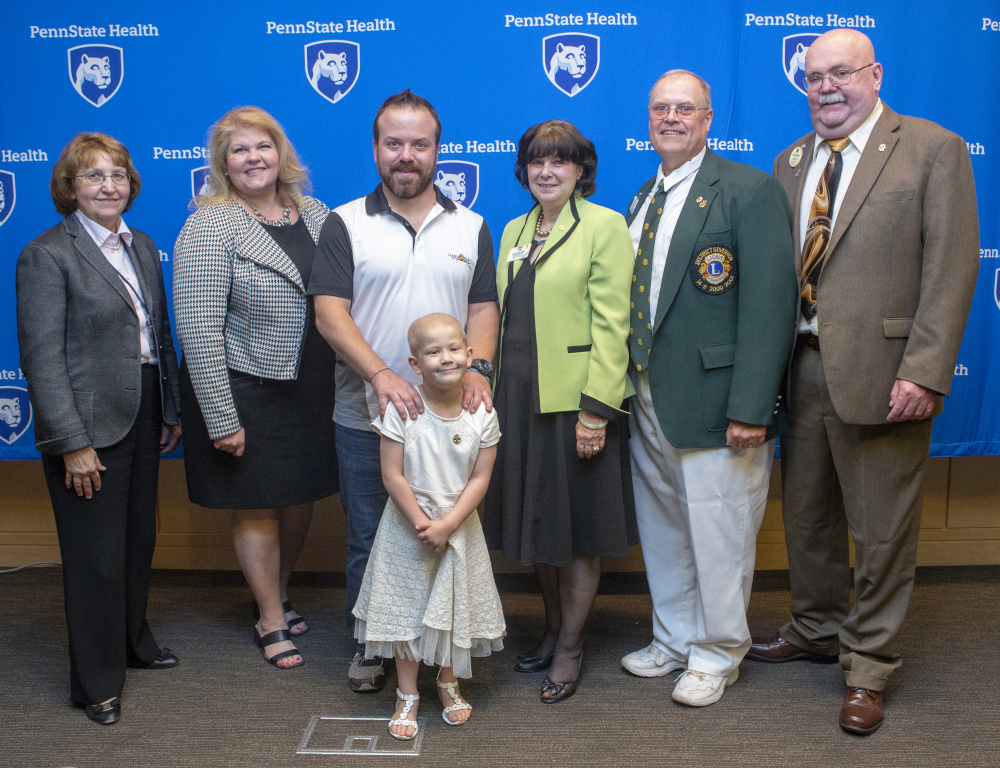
(588, 425)
(377, 373)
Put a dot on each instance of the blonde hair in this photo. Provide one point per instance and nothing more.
(293, 177)
(422, 325)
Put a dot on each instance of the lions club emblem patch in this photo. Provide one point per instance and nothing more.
(713, 270)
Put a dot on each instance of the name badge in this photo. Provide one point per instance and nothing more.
(518, 253)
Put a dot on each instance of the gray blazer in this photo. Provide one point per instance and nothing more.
(78, 334)
(899, 275)
(240, 303)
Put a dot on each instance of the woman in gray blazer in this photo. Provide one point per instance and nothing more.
(257, 379)
(95, 345)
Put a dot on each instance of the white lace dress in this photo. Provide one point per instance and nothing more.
(436, 608)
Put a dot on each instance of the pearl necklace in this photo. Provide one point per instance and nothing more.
(538, 228)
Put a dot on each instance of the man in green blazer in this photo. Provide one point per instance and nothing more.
(713, 323)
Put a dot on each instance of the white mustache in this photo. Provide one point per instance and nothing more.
(832, 98)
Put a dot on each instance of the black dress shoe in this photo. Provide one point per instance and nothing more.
(528, 662)
(164, 660)
(561, 691)
(105, 714)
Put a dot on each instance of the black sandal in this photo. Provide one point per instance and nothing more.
(277, 637)
(561, 691)
(287, 608)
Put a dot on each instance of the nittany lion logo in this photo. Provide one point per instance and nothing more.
(15, 413)
(794, 58)
(199, 181)
(571, 60)
(332, 67)
(8, 195)
(96, 71)
(458, 180)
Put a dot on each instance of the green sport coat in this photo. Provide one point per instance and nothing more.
(582, 283)
(720, 351)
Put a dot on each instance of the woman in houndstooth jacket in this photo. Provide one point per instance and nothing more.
(256, 378)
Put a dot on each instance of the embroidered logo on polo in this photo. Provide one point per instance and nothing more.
(332, 67)
(15, 413)
(8, 195)
(571, 60)
(713, 270)
(462, 258)
(458, 180)
(96, 71)
(793, 57)
(199, 180)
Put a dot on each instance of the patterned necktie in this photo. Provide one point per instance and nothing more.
(820, 225)
(640, 334)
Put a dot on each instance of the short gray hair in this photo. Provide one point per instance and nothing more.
(706, 89)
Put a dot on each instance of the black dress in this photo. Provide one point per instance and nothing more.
(544, 502)
(290, 455)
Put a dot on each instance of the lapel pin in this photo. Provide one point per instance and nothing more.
(562, 227)
(881, 147)
(702, 202)
(796, 157)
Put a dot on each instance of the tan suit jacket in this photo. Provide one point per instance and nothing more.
(897, 283)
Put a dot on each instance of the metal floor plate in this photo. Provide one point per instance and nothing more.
(356, 736)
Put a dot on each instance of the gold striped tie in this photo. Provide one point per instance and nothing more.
(820, 225)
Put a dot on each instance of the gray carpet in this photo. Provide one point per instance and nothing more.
(223, 706)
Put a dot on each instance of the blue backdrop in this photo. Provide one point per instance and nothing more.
(158, 77)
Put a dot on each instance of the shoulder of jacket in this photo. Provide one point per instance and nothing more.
(918, 127)
(52, 236)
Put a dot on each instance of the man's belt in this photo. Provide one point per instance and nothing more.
(808, 340)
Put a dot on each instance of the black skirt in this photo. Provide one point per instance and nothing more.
(290, 455)
(544, 502)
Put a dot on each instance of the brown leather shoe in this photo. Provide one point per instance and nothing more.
(777, 650)
(862, 711)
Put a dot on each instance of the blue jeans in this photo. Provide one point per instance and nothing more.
(363, 497)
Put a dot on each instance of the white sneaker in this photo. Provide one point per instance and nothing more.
(651, 662)
(699, 689)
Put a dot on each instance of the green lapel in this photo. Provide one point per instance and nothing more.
(689, 226)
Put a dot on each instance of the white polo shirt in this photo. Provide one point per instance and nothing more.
(393, 275)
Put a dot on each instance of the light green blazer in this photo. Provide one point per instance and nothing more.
(582, 285)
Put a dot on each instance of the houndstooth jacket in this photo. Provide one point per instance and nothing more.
(240, 303)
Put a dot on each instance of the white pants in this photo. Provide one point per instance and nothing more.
(699, 511)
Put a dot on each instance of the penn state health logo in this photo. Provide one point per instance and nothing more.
(15, 413)
(793, 58)
(96, 71)
(8, 195)
(996, 287)
(458, 180)
(332, 67)
(199, 181)
(571, 60)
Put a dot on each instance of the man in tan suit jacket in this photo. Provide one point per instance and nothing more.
(886, 288)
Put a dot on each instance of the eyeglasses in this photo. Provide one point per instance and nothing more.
(93, 178)
(814, 81)
(661, 111)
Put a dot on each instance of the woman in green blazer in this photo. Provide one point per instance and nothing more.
(561, 493)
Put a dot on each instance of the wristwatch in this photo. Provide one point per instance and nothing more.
(479, 365)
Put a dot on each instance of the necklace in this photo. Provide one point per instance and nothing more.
(538, 228)
(285, 218)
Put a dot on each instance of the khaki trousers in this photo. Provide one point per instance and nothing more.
(866, 479)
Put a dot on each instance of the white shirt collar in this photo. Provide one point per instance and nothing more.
(691, 166)
(101, 235)
(859, 138)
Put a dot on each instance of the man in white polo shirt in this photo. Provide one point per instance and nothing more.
(382, 261)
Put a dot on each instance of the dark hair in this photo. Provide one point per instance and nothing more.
(407, 100)
(81, 151)
(561, 139)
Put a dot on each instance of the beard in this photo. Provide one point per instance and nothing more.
(405, 188)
